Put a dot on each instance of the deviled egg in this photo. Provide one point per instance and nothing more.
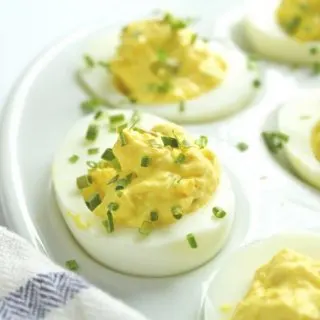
(142, 196)
(163, 67)
(286, 30)
(274, 279)
(299, 119)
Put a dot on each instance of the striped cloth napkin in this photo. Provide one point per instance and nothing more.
(33, 287)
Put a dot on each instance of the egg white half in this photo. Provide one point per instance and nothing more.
(234, 93)
(231, 282)
(268, 39)
(165, 251)
(297, 118)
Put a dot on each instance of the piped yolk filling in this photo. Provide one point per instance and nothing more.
(160, 176)
(162, 61)
(300, 19)
(315, 140)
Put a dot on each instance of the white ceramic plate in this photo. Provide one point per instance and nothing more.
(40, 111)
(229, 285)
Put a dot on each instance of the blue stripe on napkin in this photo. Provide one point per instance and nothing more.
(40, 295)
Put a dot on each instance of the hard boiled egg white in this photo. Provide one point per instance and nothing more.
(297, 118)
(231, 282)
(268, 38)
(234, 93)
(165, 251)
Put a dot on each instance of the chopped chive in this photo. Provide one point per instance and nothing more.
(160, 88)
(90, 105)
(242, 146)
(92, 132)
(182, 106)
(292, 26)
(154, 216)
(98, 115)
(162, 55)
(176, 212)
(133, 100)
(92, 164)
(135, 118)
(123, 139)
(169, 141)
(176, 23)
(316, 68)
(83, 181)
(116, 164)
(193, 38)
(122, 127)
(192, 241)
(274, 140)
(73, 159)
(256, 83)
(88, 61)
(180, 159)
(108, 155)
(201, 142)
(131, 176)
(93, 151)
(121, 184)
(93, 202)
(113, 206)
(145, 161)
(72, 265)
(116, 118)
(218, 212)
(104, 64)
(108, 224)
(114, 179)
(146, 228)
(313, 50)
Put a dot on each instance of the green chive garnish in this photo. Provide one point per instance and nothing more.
(160, 88)
(121, 184)
(176, 23)
(92, 164)
(182, 106)
(93, 151)
(145, 161)
(293, 24)
(181, 158)
(92, 132)
(116, 118)
(114, 179)
(154, 216)
(192, 241)
(108, 155)
(135, 118)
(104, 64)
(218, 212)
(193, 38)
(201, 142)
(73, 159)
(113, 206)
(123, 139)
(108, 224)
(242, 146)
(83, 181)
(169, 141)
(313, 50)
(162, 55)
(275, 140)
(93, 202)
(98, 115)
(316, 68)
(90, 105)
(146, 228)
(176, 212)
(72, 265)
(88, 61)
(256, 83)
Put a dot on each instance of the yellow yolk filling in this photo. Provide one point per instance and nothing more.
(161, 186)
(315, 140)
(288, 287)
(300, 19)
(157, 62)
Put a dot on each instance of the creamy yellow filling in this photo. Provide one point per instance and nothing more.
(315, 140)
(300, 19)
(166, 186)
(288, 287)
(161, 60)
